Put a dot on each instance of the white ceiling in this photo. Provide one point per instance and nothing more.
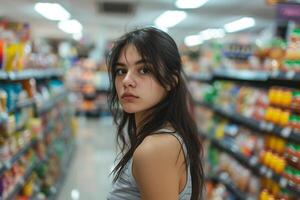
(96, 25)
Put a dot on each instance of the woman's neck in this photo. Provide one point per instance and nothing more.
(139, 117)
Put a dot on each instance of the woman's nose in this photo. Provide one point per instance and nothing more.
(129, 80)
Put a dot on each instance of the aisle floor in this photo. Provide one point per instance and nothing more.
(88, 176)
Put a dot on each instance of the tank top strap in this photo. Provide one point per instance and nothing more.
(177, 136)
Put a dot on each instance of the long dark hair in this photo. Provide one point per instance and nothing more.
(161, 52)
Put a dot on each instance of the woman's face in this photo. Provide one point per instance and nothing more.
(137, 88)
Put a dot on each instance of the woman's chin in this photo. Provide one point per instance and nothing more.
(129, 110)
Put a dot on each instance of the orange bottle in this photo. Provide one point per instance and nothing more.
(271, 95)
(277, 97)
(284, 118)
(287, 98)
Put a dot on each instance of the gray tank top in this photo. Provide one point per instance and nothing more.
(125, 188)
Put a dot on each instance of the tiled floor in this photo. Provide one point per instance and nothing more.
(88, 176)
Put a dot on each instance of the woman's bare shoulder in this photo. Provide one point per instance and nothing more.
(158, 147)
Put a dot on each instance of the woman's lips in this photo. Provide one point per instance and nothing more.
(129, 97)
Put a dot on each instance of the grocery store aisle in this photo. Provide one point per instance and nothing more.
(87, 177)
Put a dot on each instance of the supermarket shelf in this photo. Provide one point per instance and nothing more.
(291, 78)
(245, 75)
(102, 91)
(20, 183)
(31, 102)
(285, 76)
(207, 78)
(23, 104)
(89, 113)
(8, 164)
(30, 73)
(230, 186)
(89, 97)
(48, 105)
(237, 55)
(260, 126)
(253, 164)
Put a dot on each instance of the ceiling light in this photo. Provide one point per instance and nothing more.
(52, 11)
(212, 33)
(193, 40)
(77, 36)
(190, 3)
(241, 24)
(170, 18)
(70, 26)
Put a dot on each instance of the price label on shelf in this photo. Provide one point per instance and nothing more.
(290, 75)
(263, 125)
(263, 170)
(253, 161)
(270, 127)
(269, 173)
(283, 182)
(286, 132)
(274, 74)
(12, 75)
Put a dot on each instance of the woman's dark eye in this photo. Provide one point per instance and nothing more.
(144, 70)
(120, 71)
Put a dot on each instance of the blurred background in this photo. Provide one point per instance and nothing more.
(242, 61)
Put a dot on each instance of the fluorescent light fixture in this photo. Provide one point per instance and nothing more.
(75, 194)
(52, 11)
(240, 24)
(208, 34)
(193, 40)
(170, 18)
(184, 4)
(70, 26)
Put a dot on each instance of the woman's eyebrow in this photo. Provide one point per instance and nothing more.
(142, 61)
(120, 64)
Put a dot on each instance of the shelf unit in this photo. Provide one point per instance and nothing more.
(39, 109)
(230, 186)
(256, 79)
(253, 164)
(8, 164)
(30, 73)
(261, 126)
(288, 79)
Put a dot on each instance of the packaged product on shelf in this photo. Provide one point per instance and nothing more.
(285, 97)
(292, 157)
(4, 149)
(236, 56)
(292, 56)
(28, 188)
(29, 86)
(13, 45)
(2, 53)
(218, 191)
(3, 100)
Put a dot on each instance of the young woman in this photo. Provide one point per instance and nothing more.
(160, 148)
